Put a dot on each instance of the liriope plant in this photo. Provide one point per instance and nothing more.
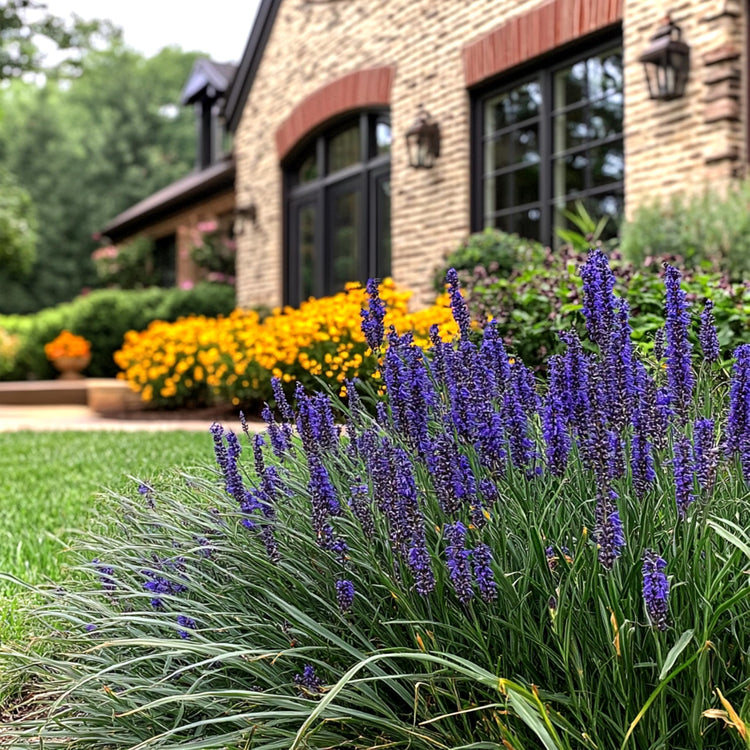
(467, 556)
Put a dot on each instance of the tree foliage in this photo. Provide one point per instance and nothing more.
(87, 148)
(17, 227)
(26, 23)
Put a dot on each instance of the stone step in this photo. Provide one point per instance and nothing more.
(102, 395)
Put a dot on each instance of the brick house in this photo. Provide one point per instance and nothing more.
(538, 103)
(170, 216)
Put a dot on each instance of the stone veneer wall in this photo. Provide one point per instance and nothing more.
(437, 48)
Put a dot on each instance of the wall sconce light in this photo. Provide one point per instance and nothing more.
(423, 141)
(666, 63)
(243, 215)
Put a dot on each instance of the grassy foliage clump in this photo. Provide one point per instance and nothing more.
(481, 564)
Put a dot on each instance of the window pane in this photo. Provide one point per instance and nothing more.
(607, 164)
(570, 85)
(383, 226)
(606, 117)
(308, 170)
(345, 245)
(165, 260)
(571, 129)
(512, 189)
(343, 149)
(306, 244)
(382, 137)
(512, 106)
(527, 223)
(605, 74)
(570, 173)
(517, 146)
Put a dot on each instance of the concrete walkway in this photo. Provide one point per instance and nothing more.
(79, 417)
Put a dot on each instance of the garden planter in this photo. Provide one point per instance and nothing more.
(71, 367)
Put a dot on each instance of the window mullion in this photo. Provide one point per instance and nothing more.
(545, 154)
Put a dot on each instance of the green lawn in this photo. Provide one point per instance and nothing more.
(48, 487)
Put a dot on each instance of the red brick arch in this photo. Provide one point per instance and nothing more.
(361, 88)
(540, 30)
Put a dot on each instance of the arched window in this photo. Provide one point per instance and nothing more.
(338, 208)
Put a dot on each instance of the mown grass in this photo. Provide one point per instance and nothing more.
(49, 486)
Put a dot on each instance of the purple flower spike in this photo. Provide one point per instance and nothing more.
(655, 589)
(610, 537)
(598, 297)
(738, 423)
(457, 559)
(485, 577)
(705, 453)
(308, 681)
(373, 317)
(458, 303)
(707, 335)
(683, 470)
(679, 349)
(344, 594)
(185, 622)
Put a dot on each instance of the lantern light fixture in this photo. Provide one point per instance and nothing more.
(423, 141)
(666, 63)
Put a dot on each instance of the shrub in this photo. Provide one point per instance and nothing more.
(214, 249)
(484, 564)
(103, 317)
(532, 305)
(126, 266)
(9, 347)
(492, 249)
(198, 361)
(710, 226)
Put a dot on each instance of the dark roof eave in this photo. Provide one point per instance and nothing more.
(248, 67)
(169, 200)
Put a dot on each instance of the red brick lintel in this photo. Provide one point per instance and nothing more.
(370, 87)
(535, 32)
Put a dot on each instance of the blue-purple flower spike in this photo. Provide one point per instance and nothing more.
(705, 453)
(458, 303)
(610, 538)
(373, 317)
(679, 349)
(707, 335)
(485, 577)
(683, 471)
(738, 422)
(457, 559)
(655, 589)
(308, 681)
(598, 297)
(344, 594)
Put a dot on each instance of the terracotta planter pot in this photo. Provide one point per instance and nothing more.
(71, 367)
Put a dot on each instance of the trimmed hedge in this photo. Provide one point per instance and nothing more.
(103, 317)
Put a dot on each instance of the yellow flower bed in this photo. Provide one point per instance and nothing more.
(198, 360)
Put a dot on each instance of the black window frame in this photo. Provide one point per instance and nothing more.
(363, 176)
(542, 70)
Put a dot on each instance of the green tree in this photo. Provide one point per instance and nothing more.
(23, 23)
(87, 148)
(17, 228)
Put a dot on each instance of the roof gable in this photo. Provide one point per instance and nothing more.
(248, 67)
(207, 73)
